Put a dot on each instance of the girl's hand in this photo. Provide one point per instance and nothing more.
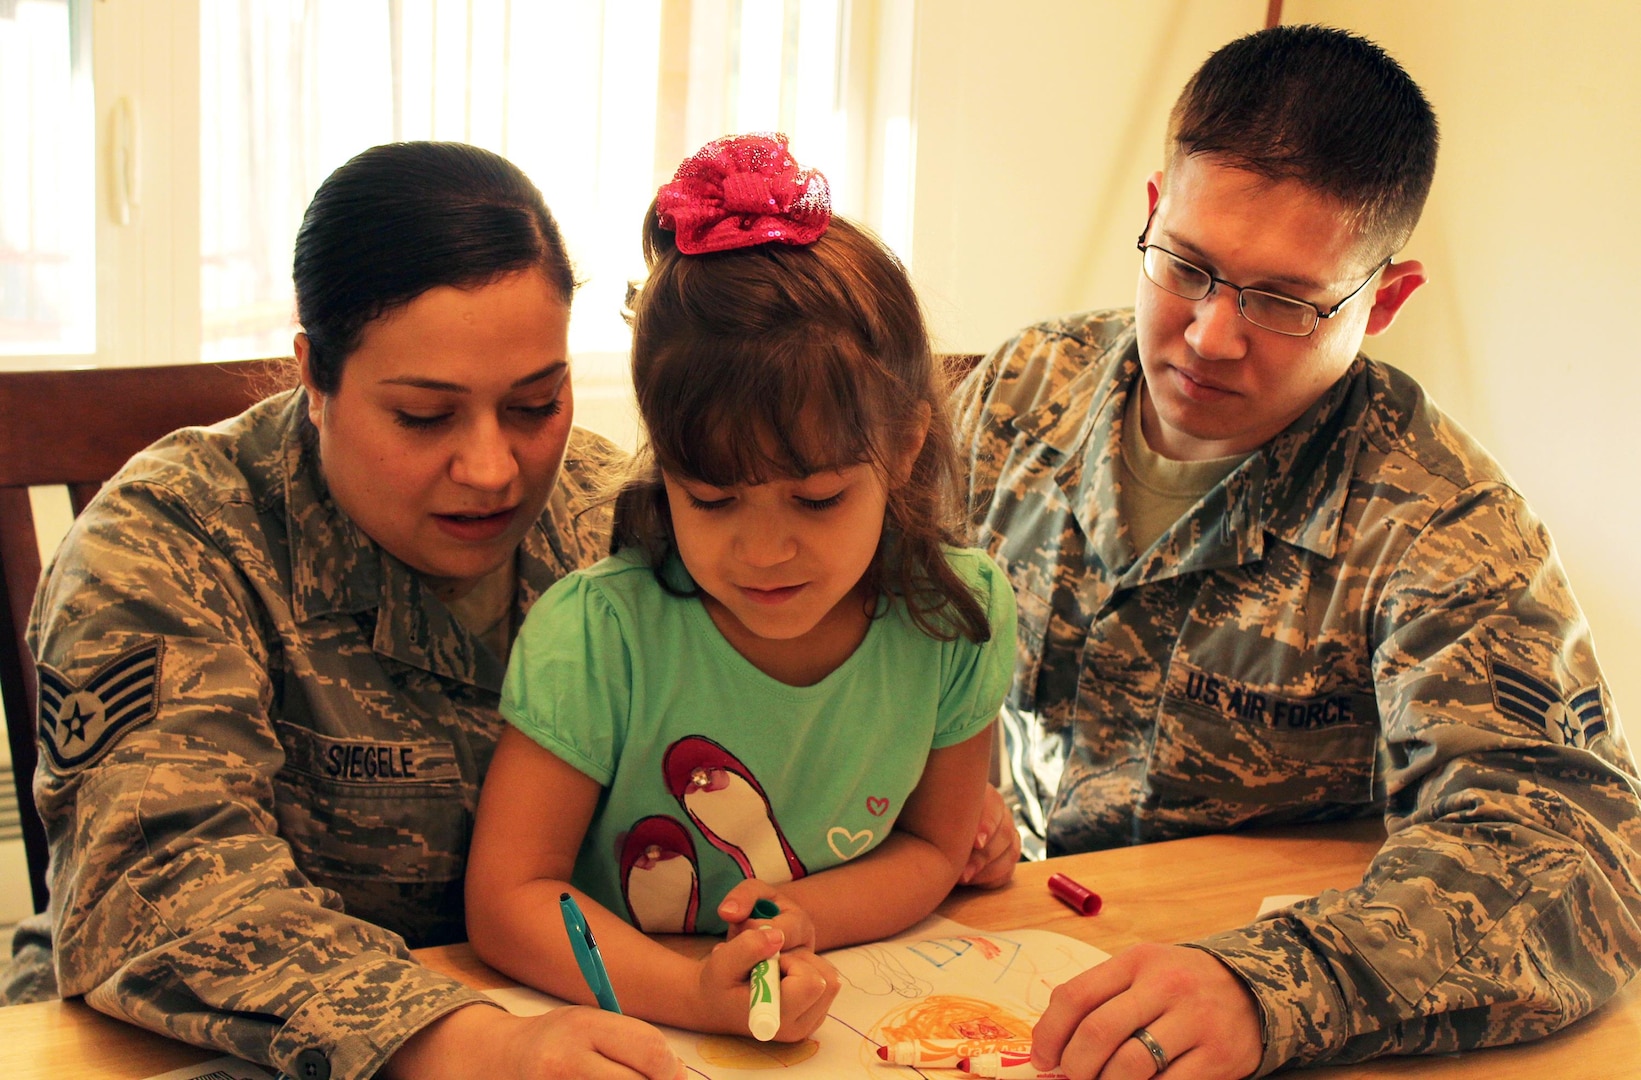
(576, 1041)
(996, 845)
(793, 921)
(808, 984)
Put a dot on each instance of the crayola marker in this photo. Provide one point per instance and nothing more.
(764, 1015)
(946, 1053)
(1006, 1066)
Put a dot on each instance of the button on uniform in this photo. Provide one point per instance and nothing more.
(312, 1065)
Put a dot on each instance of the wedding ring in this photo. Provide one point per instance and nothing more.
(1158, 1056)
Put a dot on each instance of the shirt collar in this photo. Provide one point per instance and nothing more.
(1309, 466)
(1294, 488)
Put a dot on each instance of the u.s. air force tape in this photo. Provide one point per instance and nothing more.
(79, 722)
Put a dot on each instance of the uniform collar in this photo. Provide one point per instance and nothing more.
(1310, 465)
(337, 570)
(1294, 488)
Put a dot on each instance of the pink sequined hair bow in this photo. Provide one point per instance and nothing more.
(743, 190)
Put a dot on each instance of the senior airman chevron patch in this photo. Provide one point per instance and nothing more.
(1577, 721)
(78, 723)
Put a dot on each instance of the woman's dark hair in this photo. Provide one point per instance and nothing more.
(784, 360)
(1322, 106)
(402, 218)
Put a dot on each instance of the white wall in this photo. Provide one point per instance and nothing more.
(1038, 121)
(1037, 124)
(1534, 243)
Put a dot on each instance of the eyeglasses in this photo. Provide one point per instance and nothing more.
(1267, 310)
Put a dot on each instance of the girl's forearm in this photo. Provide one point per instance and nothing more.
(522, 935)
(877, 895)
(905, 877)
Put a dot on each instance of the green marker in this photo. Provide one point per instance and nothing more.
(764, 1015)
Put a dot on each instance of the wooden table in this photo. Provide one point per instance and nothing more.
(1159, 892)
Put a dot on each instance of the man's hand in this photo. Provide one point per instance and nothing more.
(1198, 1010)
(480, 1040)
(996, 845)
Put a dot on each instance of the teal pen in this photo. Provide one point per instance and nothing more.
(586, 953)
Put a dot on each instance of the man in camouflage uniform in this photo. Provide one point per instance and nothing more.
(261, 748)
(1346, 609)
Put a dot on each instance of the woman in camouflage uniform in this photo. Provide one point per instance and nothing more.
(270, 652)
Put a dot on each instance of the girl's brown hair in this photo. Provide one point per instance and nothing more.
(784, 360)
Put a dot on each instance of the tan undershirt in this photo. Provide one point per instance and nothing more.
(487, 608)
(1157, 491)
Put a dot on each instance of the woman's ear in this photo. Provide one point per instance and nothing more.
(914, 445)
(304, 366)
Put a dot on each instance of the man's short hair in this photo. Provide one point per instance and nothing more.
(1322, 106)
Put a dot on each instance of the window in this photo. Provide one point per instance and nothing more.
(46, 253)
(215, 122)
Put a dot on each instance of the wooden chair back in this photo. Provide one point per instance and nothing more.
(76, 428)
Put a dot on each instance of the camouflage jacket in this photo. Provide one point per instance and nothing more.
(1363, 618)
(261, 745)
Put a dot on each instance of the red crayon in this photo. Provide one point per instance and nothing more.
(1081, 898)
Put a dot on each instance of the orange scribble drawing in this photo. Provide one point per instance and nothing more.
(981, 1027)
(948, 1016)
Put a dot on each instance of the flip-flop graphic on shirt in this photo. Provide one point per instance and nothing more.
(659, 880)
(726, 802)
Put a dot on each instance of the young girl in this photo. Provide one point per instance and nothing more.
(782, 682)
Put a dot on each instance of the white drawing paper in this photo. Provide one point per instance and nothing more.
(938, 980)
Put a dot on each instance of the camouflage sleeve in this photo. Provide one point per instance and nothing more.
(177, 905)
(1506, 902)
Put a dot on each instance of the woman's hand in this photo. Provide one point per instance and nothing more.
(576, 1041)
(1199, 1012)
(996, 845)
(808, 984)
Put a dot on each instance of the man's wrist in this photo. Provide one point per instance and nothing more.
(1291, 1030)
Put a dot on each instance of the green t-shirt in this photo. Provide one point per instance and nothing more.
(713, 771)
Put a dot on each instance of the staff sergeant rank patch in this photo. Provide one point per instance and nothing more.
(78, 723)
(1577, 721)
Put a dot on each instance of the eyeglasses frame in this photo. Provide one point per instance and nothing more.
(1240, 290)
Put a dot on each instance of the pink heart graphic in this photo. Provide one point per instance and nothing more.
(877, 807)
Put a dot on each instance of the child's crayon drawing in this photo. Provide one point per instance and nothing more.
(938, 980)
